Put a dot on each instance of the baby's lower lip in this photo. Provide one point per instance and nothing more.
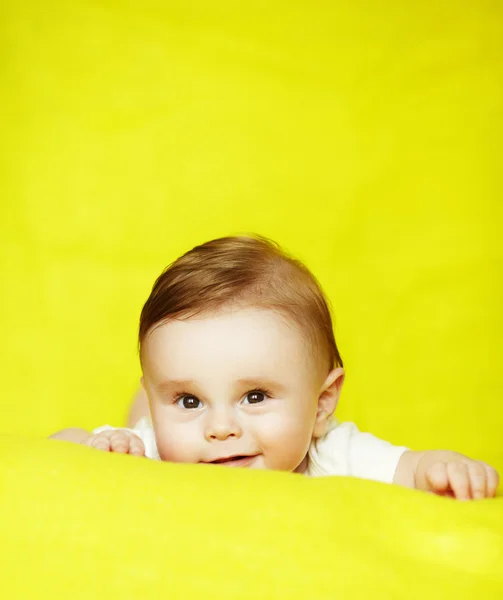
(242, 461)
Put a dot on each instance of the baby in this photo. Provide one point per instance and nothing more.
(241, 369)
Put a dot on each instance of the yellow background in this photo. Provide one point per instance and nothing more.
(363, 136)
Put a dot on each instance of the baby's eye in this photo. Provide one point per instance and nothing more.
(254, 397)
(189, 402)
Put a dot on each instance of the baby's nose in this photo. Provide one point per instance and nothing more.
(222, 425)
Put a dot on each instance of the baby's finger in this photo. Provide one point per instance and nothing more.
(136, 446)
(100, 442)
(478, 477)
(492, 480)
(437, 479)
(119, 442)
(459, 480)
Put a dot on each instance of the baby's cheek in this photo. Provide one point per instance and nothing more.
(285, 441)
(287, 426)
(176, 445)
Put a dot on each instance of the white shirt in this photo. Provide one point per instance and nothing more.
(344, 450)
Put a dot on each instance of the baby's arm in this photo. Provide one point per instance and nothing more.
(139, 407)
(447, 474)
(78, 436)
(114, 440)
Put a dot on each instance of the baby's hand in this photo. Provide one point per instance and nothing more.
(116, 440)
(462, 478)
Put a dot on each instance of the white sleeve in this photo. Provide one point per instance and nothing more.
(344, 450)
(372, 458)
(144, 430)
(110, 428)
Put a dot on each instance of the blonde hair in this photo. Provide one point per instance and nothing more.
(244, 271)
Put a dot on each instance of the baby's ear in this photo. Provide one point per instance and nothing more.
(327, 400)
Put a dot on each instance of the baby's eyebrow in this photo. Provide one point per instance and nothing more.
(169, 384)
(252, 382)
(249, 382)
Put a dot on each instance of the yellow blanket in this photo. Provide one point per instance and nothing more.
(78, 523)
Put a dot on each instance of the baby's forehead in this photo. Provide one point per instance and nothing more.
(237, 342)
(236, 320)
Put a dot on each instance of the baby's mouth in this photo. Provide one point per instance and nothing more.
(239, 460)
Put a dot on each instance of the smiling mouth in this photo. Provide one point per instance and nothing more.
(240, 460)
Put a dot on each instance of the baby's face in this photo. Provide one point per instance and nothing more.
(237, 387)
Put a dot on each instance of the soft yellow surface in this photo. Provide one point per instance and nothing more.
(363, 136)
(85, 524)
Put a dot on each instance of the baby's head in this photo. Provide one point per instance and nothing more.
(239, 358)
